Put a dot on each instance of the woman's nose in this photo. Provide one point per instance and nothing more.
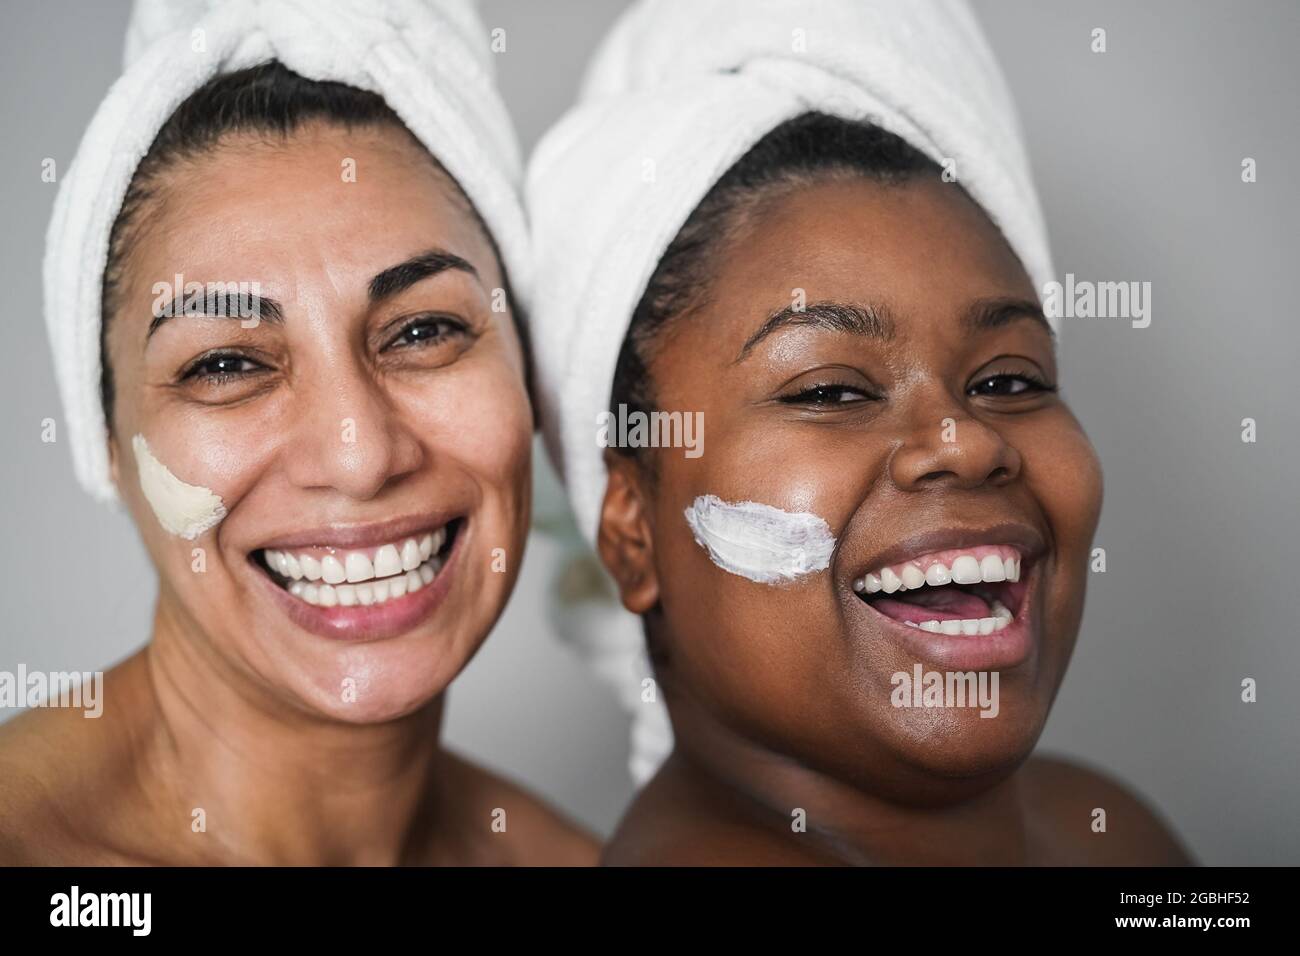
(351, 437)
(943, 445)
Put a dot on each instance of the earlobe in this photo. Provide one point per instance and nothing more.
(625, 540)
(113, 468)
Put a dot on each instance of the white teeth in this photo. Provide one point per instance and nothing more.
(331, 569)
(966, 570)
(358, 567)
(913, 577)
(991, 569)
(367, 593)
(938, 575)
(387, 561)
(969, 627)
(369, 583)
(390, 562)
(310, 567)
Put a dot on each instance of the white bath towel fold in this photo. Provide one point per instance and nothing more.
(678, 91)
(429, 59)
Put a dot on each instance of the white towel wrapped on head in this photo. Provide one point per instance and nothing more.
(676, 94)
(429, 59)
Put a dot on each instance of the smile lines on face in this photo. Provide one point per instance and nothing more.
(328, 577)
(971, 591)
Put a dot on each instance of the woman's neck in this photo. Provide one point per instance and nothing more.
(275, 784)
(949, 822)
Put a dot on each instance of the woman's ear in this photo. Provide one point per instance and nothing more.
(625, 539)
(113, 467)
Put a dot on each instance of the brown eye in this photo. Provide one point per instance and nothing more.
(427, 329)
(1009, 384)
(220, 367)
(826, 395)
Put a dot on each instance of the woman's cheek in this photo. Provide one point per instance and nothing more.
(1074, 487)
(188, 470)
(480, 416)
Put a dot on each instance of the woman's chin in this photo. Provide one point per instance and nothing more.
(379, 700)
(968, 748)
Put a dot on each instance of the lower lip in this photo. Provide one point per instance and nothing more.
(1001, 650)
(378, 621)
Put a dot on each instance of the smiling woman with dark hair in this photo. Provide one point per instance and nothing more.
(860, 600)
(302, 324)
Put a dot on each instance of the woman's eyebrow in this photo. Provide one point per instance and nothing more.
(402, 276)
(220, 300)
(987, 314)
(872, 321)
(231, 301)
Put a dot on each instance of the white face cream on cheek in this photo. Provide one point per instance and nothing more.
(183, 509)
(759, 542)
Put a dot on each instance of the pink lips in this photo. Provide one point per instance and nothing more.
(373, 622)
(1001, 650)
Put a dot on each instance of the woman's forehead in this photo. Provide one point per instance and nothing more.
(862, 233)
(915, 248)
(327, 205)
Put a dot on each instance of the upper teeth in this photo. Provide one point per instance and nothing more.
(386, 561)
(370, 592)
(936, 572)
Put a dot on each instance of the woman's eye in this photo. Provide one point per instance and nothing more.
(428, 329)
(826, 395)
(216, 369)
(1008, 384)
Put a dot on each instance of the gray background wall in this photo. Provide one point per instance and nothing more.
(1137, 153)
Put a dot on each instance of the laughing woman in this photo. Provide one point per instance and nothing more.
(862, 582)
(282, 328)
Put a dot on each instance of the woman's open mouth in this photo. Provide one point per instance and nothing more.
(365, 591)
(966, 591)
(329, 577)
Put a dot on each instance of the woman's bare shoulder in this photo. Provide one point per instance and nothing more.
(509, 825)
(1091, 818)
(64, 770)
(49, 761)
